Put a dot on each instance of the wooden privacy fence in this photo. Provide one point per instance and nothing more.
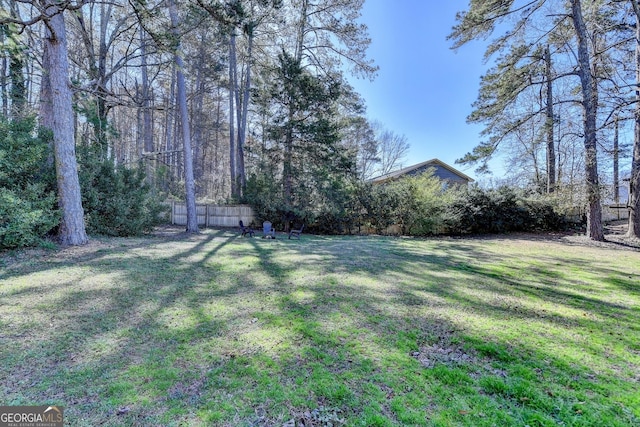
(213, 215)
(609, 213)
(615, 212)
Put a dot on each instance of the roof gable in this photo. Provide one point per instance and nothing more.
(420, 168)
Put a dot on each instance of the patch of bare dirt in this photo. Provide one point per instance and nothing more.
(447, 354)
(451, 354)
(17, 258)
(615, 234)
(168, 230)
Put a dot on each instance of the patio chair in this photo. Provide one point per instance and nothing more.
(245, 230)
(267, 231)
(296, 233)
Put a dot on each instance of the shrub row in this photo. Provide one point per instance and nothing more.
(501, 210)
(418, 206)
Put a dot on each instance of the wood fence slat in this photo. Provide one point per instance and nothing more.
(213, 215)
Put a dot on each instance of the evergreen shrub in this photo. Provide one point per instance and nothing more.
(116, 200)
(502, 210)
(28, 210)
(26, 218)
(265, 198)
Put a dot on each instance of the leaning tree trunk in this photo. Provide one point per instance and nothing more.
(590, 106)
(57, 114)
(190, 186)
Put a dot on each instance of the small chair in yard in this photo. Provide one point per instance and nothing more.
(245, 230)
(296, 233)
(267, 231)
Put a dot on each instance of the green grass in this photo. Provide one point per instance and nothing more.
(215, 329)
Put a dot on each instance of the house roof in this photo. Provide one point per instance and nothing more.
(433, 162)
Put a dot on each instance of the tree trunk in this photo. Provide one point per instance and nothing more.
(242, 120)
(18, 93)
(15, 49)
(302, 29)
(551, 152)
(287, 173)
(97, 63)
(232, 94)
(102, 112)
(634, 179)
(616, 162)
(57, 114)
(147, 128)
(198, 115)
(3, 79)
(18, 88)
(590, 105)
(190, 187)
(170, 129)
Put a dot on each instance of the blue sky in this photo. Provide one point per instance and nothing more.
(424, 90)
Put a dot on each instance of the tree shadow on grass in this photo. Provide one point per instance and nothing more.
(188, 336)
(115, 320)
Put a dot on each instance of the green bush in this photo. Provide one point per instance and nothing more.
(380, 206)
(543, 214)
(26, 218)
(116, 199)
(337, 207)
(416, 204)
(328, 205)
(423, 211)
(28, 209)
(501, 210)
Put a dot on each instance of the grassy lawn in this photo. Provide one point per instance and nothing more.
(215, 329)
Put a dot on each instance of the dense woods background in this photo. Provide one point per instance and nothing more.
(109, 107)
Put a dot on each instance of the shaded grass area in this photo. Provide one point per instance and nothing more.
(215, 329)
